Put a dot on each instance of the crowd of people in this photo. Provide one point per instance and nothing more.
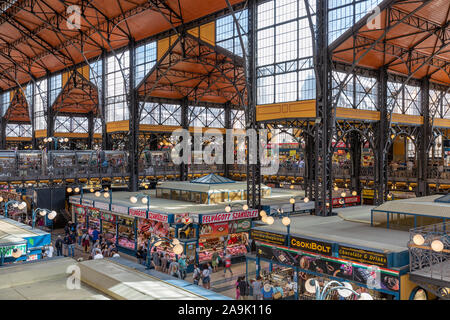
(162, 262)
(96, 244)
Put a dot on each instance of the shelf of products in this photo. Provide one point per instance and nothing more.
(93, 223)
(235, 246)
(281, 277)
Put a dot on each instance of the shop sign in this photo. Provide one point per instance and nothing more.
(119, 209)
(101, 205)
(108, 217)
(74, 200)
(87, 202)
(239, 226)
(364, 256)
(214, 230)
(228, 216)
(311, 245)
(331, 267)
(158, 217)
(138, 213)
(269, 237)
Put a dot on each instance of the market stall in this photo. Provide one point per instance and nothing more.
(224, 231)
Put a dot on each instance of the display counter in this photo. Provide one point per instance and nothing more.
(282, 278)
(93, 220)
(126, 233)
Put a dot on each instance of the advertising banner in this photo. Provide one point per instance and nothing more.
(377, 278)
(214, 230)
(239, 226)
(268, 237)
(108, 217)
(140, 213)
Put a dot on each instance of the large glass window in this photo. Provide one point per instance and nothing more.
(403, 99)
(227, 35)
(145, 60)
(117, 73)
(18, 130)
(284, 54)
(161, 114)
(71, 124)
(55, 87)
(40, 105)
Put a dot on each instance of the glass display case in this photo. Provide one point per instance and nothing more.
(126, 235)
(87, 161)
(7, 163)
(283, 279)
(109, 227)
(29, 163)
(61, 162)
(235, 246)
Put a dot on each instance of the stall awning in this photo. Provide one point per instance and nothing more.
(408, 38)
(198, 71)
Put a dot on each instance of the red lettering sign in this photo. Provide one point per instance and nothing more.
(221, 217)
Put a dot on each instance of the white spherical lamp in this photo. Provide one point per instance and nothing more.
(437, 245)
(306, 200)
(106, 194)
(291, 200)
(418, 239)
(77, 189)
(144, 200)
(343, 194)
(286, 221)
(133, 199)
(52, 215)
(97, 194)
(42, 212)
(270, 220)
(245, 207)
(262, 213)
(227, 209)
(69, 190)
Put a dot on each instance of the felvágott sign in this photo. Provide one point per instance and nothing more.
(323, 248)
(364, 256)
(228, 216)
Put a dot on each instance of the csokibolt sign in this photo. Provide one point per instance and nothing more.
(228, 216)
(321, 247)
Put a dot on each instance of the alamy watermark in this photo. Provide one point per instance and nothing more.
(73, 281)
(74, 17)
(374, 20)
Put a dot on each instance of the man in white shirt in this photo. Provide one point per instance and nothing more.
(49, 251)
(98, 255)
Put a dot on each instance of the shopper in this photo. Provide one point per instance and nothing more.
(163, 262)
(182, 264)
(215, 259)
(206, 277)
(174, 269)
(59, 246)
(49, 251)
(196, 274)
(156, 260)
(98, 254)
(256, 285)
(244, 288)
(66, 245)
(140, 255)
(95, 234)
(115, 253)
(71, 244)
(227, 259)
(267, 292)
(236, 285)
(85, 241)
